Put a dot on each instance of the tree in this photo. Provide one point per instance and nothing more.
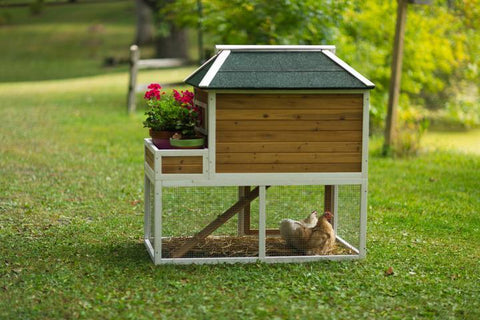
(145, 28)
(442, 41)
(169, 39)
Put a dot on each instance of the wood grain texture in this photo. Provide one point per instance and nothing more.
(298, 147)
(284, 158)
(201, 95)
(195, 160)
(290, 114)
(182, 164)
(288, 125)
(274, 133)
(182, 169)
(289, 101)
(289, 136)
(288, 168)
(150, 158)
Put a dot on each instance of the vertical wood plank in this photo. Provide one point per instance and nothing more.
(328, 201)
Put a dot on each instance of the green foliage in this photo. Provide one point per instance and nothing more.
(167, 114)
(164, 114)
(37, 6)
(412, 127)
(437, 53)
(260, 22)
(441, 48)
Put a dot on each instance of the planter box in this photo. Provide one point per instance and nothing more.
(174, 163)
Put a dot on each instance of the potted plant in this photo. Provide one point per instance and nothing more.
(185, 136)
(170, 115)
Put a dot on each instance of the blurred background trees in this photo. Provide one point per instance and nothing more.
(440, 78)
(441, 64)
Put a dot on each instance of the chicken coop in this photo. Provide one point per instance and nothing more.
(287, 133)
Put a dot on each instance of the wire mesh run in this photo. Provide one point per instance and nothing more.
(298, 213)
(188, 211)
(198, 222)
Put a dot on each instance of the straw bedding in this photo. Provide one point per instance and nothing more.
(231, 246)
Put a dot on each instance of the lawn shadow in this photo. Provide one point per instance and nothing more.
(125, 254)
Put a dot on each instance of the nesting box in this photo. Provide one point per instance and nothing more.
(287, 132)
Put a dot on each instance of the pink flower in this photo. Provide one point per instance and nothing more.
(176, 96)
(152, 94)
(184, 97)
(154, 86)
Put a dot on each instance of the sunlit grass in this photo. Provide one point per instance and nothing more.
(467, 142)
(65, 41)
(71, 224)
(71, 205)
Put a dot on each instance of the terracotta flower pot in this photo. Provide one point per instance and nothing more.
(195, 143)
(161, 139)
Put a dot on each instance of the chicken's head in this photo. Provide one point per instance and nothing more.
(328, 215)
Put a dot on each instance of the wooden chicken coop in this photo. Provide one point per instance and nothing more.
(287, 133)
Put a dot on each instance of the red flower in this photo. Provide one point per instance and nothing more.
(184, 97)
(151, 94)
(154, 86)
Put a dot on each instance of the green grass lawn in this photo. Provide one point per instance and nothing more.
(71, 204)
(71, 226)
(65, 41)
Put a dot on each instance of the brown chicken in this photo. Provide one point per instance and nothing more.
(311, 235)
(294, 231)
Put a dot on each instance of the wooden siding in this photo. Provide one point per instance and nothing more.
(275, 133)
(182, 164)
(201, 95)
(149, 158)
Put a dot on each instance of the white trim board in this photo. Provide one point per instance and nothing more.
(212, 72)
(292, 91)
(240, 179)
(330, 48)
(199, 68)
(349, 69)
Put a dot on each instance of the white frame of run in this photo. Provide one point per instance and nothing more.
(155, 181)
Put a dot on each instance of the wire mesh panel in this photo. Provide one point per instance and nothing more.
(348, 211)
(197, 218)
(297, 214)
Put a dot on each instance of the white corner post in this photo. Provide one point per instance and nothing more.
(364, 187)
(212, 117)
(262, 223)
(147, 206)
(157, 221)
(335, 207)
(363, 222)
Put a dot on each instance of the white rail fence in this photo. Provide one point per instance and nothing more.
(136, 64)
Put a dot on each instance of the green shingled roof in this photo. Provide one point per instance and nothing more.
(276, 69)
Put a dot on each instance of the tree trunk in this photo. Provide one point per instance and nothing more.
(174, 45)
(145, 29)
